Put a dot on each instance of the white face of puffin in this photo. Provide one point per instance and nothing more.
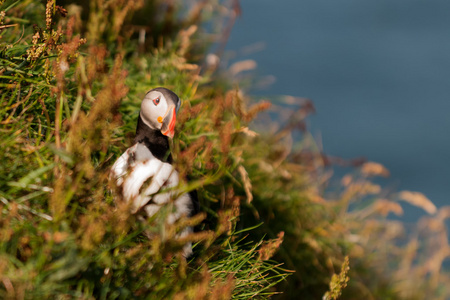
(158, 111)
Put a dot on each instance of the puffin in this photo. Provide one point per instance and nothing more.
(144, 173)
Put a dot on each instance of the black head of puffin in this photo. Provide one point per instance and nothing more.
(159, 109)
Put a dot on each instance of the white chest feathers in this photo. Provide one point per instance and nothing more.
(143, 180)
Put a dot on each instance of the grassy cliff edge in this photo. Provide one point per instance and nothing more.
(71, 81)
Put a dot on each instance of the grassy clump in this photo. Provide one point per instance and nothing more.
(69, 108)
(62, 231)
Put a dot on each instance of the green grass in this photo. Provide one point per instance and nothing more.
(271, 222)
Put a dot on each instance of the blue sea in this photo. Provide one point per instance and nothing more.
(378, 73)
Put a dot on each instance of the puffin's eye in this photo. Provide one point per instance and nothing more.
(156, 101)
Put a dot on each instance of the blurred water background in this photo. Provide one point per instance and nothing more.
(378, 73)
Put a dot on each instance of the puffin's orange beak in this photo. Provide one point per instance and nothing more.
(168, 124)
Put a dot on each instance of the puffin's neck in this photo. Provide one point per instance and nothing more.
(154, 140)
